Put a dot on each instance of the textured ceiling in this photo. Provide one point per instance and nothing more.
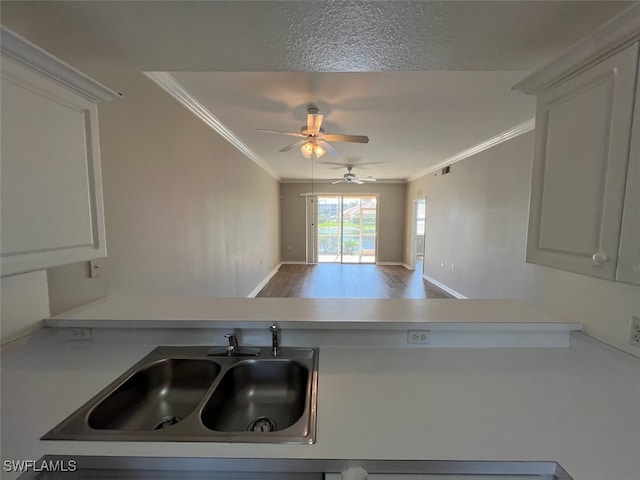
(311, 36)
(423, 79)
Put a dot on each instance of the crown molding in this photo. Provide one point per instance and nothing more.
(618, 33)
(513, 132)
(169, 84)
(23, 51)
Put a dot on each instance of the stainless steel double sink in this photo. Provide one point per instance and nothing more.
(200, 394)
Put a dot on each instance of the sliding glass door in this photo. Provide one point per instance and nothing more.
(347, 229)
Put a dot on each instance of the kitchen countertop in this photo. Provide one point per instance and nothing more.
(308, 313)
(577, 406)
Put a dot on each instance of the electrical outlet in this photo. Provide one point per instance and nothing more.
(634, 331)
(94, 269)
(78, 333)
(421, 337)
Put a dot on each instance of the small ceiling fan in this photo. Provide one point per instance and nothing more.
(351, 178)
(314, 141)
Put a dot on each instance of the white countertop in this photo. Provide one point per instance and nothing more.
(308, 313)
(577, 406)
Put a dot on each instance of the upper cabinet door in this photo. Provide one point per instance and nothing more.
(51, 189)
(52, 209)
(629, 254)
(583, 129)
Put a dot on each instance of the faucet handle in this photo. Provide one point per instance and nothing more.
(233, 339)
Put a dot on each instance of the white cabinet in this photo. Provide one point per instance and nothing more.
(51, 188)
(584, 214)
(583, 127)
(629, 254)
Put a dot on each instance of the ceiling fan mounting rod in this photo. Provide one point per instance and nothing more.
(305, 131)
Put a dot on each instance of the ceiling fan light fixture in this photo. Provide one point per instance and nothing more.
(319, 151)
(315, 142)
(307, 150)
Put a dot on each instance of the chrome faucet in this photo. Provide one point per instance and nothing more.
(233, 343)
(275, 348)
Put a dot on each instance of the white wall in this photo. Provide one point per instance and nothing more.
(604, 307)
(186, 213)
(25, 302)
(71, 286)
(476, 219)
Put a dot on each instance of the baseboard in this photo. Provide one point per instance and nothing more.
(266, 279)
(443, 287)
(402, 264)
(292, 262)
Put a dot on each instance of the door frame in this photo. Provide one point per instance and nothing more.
(414, 233)
(312, 220)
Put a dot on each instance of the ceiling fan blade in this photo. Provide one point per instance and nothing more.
(314, 121)
(328, 147)
(342, 165)
(367, 179)
(338, 166)
(282, 133)
(338, 181)
(297, 143)
(357, 181)
(334, 137)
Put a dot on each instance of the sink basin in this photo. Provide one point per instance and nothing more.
(179, 394)
(156, 397)
(258, 396)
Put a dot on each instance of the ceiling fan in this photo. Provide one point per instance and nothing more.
(314, 141)
(351, 178)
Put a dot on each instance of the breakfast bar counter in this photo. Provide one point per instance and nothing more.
(575, 405)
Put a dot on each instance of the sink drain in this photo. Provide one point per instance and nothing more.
(167, 422)
(262, 424)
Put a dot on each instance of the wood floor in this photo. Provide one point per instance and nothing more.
(334, 280)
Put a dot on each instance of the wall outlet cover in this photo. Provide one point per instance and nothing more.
(419, 337)
(79, 333)
(94, 269)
